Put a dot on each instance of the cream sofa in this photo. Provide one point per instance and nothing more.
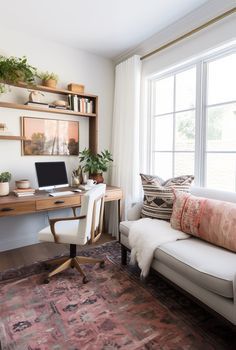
(206, 271)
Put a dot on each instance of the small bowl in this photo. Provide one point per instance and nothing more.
(22, 184)
(60, 103)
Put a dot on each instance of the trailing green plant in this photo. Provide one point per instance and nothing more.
(5, 176)
(95, 163)
(47, 76)
(14, 70)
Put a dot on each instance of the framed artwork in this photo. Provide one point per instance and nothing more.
(49, 137)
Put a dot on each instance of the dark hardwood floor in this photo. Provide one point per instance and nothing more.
(39, 252)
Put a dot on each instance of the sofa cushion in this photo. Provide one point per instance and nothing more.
(208, 219)
(209, 266)
(124, 233)
(125, 226)
(158, 194)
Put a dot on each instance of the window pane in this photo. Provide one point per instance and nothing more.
(222, 80)
(221, 128)
(163, 133)
(164, 98)
(162, 165)
(185, 89)
(221, 170)
(185, 131)
(184, 164)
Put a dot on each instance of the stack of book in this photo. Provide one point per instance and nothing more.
(24, 192)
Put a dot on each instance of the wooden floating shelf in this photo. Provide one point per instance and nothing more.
(9, 137)
(45, 110)
(51, 90)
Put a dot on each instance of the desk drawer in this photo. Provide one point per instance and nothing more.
(62, 202)
(17, 208)
(113, 195)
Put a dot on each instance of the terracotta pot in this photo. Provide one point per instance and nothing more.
(97, 177)
(4, 188)
(50, 83)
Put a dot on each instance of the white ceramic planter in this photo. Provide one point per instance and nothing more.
(4, 188)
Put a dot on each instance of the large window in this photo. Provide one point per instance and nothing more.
(193, 122)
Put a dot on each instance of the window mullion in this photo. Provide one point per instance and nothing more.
(173, 145)
(199, 127)
(151, 125)
(204, 123)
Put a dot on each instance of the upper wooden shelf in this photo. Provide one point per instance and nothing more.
(51, 90)
(45, 110)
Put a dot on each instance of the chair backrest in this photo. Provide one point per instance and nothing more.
(92, 205)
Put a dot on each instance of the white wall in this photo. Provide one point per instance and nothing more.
(72, 65)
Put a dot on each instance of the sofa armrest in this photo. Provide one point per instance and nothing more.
(134, 213)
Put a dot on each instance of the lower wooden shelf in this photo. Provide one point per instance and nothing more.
(9, 137)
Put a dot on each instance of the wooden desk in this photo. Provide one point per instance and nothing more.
(11, 205)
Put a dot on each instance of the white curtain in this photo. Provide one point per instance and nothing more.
(125, 136)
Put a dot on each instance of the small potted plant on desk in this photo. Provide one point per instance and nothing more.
(95, 164)
(5, 177)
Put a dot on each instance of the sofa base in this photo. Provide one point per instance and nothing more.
(124, 251)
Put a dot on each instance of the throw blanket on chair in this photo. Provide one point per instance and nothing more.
(145, 236)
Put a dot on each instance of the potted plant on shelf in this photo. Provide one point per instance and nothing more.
(5, 177)
(14, 70)
(48, 79)
(95, 164)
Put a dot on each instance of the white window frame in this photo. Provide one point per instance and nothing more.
(200, 63)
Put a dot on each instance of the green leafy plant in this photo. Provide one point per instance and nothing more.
(14, 70)
(5, 176)
(47, 76)
(95, 163)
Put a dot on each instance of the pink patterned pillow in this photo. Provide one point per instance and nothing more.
(209, 219)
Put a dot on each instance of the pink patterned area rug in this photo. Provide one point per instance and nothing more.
(113, 311)
(110, 312)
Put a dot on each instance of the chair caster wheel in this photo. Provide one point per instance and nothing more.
(46, 280)
(85, 280)
(102, 264)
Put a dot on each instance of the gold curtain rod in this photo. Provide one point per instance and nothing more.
(186, 35)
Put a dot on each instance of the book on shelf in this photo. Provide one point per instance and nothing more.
(37, 104)
(58, 107)
(75, 103)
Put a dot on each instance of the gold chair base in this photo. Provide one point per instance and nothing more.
(75, 262)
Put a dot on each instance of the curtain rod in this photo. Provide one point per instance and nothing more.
(186, 35)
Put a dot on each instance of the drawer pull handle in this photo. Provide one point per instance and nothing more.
(7, 209)
(59, 202)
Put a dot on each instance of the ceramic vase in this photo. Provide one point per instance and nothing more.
(4, 188)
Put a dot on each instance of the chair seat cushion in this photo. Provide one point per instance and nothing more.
(67, 232)
(209, 266)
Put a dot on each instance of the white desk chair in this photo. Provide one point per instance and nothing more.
(77, 230)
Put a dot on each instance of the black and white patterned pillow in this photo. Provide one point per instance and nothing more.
(159, 196)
